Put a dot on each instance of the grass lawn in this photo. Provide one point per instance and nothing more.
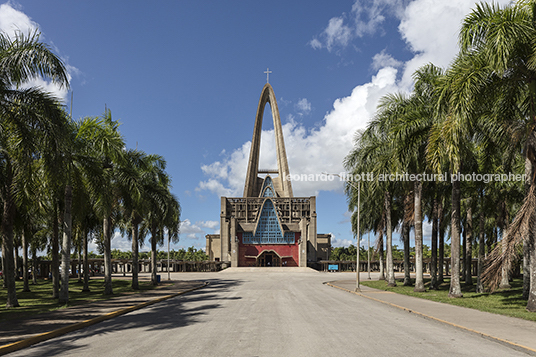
(40, 300)
(503, 302)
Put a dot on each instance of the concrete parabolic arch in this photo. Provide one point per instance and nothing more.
(283, 187)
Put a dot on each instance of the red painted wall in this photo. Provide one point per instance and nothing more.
(256, 249)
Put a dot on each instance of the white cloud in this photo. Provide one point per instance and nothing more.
(187, 227)
(342, 242)
(369, 15)
(121, 243)
(429, 28)
(58, 92)
(303, 106)
(309, 152)
(383, 59)
(198, 229)
(336, 34)
(316, 44)
(117, 242)
(208, 224)
(366, 19)
(427, 230)
(13, 21)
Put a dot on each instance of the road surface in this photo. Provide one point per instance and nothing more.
(268, 313)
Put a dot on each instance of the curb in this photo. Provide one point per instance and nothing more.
(15, 346)
(497, 339)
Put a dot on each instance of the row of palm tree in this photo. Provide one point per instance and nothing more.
(74, 178)
(477, 116)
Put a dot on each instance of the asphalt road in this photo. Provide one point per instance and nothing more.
(268, 314)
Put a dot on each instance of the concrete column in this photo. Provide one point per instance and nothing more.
(209, 248)
(312, 231)
(234, 243)
(302, 246)
(224, 231)
(224, 236)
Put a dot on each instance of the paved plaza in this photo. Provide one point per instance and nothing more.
(275, 312)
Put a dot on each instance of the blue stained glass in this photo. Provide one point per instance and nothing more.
(268, 192)
(268, 229)
(267, 187)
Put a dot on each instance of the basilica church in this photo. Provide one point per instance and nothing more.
(268, 226)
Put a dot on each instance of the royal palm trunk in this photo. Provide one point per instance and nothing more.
(407, 269)
(469, 247)
(390, 266)
(455, 290)
(527, 240)
(34, 266)
(7, 251)
(86, 262)
(66, 246)
(526, 268)
(441, 245)
(531, 303)
(433, 263)
(153, 256)
(380, 253)
(106, 226)
(481, 252)
(25, 265)
(135, 264)
(419, 281)
(54, 266)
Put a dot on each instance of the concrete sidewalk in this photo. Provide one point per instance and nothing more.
(515, 332)
(64, 320)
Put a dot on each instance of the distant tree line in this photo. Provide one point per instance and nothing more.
(349, 253)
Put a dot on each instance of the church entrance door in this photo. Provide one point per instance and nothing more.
(268, 259)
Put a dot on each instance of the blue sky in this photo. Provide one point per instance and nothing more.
(184, 79)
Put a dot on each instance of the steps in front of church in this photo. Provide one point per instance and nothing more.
(269, 270)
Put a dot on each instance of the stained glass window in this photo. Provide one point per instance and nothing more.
(268, 229)
(267, 187)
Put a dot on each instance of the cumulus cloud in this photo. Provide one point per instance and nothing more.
(383, 59)
(117, 242)
(188, 227)
(13, 22)
(198, 230)
(429, 27)
(369, 15)
(336, 34)
(303, 106)
(209, 224)
(341, 242)
(365, 18)
(309, 151)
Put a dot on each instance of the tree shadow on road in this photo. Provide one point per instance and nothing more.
(177, 312)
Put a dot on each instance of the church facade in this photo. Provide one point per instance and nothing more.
(268, 226)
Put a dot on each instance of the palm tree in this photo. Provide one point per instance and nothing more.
(107, 146)
(372, 154)
(82, 173)
(137, 173)
(407, 121)
(372, 218)
(497, 61)
(30, 115)
(163, 210)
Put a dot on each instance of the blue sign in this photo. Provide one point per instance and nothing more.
(333, 267)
